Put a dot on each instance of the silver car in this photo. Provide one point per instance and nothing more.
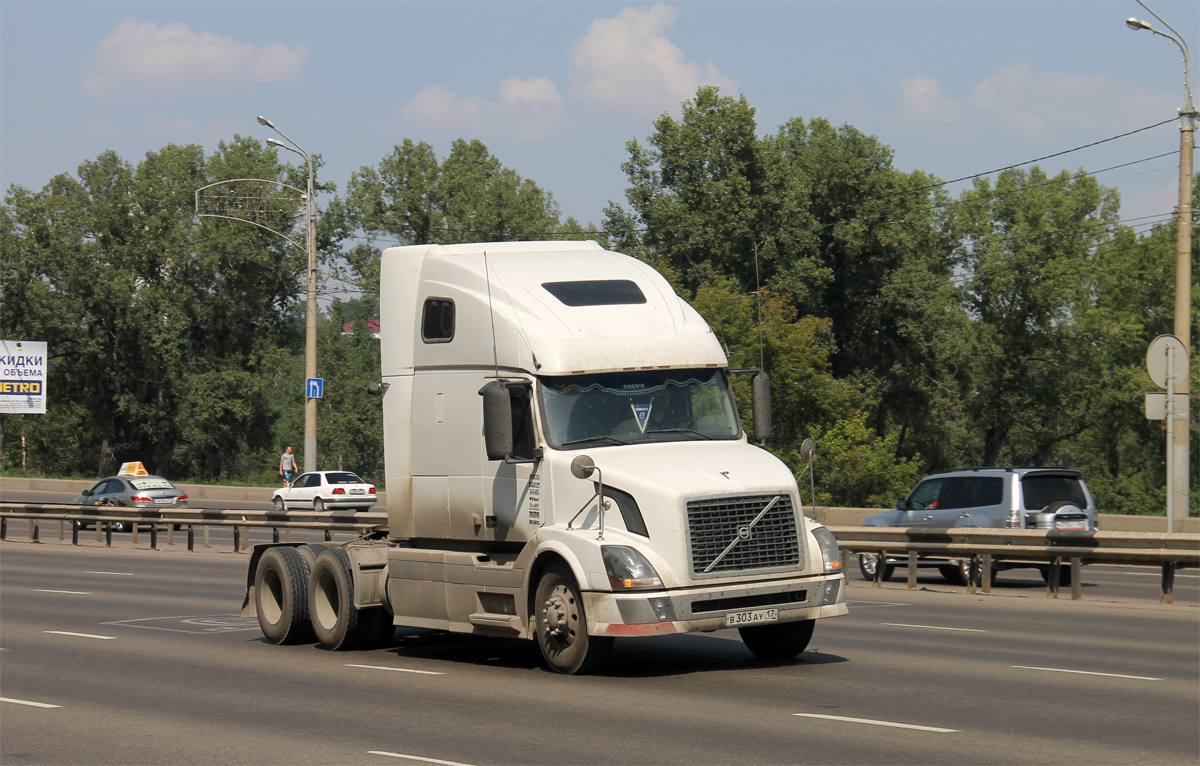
(132, 491)
(1000, 498)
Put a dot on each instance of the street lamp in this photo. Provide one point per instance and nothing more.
(310, 323)
(1178, 488)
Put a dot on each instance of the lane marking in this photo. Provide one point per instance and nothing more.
(872, 722)
(69, 592)
(869, 604)
(416, 758)
(399, 670)
(27, 702)
(933, 627)
(78, 635)
(118, 574)
(1085, 673)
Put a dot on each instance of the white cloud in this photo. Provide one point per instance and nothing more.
(627, 64)
(144, 57)
(922, 100)
(1035, 105)
(525, 109)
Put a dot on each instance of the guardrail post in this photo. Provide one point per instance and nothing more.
(107, 533)
(3, 528)
(972, 574)
(246, 539)
(133, 532)
(1076, 578)
(153, 537)
(74, 533)
(985, 574)
(33, 530)
(329, 538)
(237, 539)
(274, 534)
(1053, 573)
(60, 530)
(191, 538)
(1168, 583)
(912, 570)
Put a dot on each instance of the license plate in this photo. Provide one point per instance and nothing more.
(737, 619)
(164, 500)
(358, 492)
(1071, 524)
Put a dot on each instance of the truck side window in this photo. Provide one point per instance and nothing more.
(437, 320)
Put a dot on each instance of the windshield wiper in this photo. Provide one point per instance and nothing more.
(593, 440)
(678, 431)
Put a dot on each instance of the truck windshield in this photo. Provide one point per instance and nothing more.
(638, 407)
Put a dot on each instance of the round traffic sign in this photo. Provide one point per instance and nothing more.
(1166, 351)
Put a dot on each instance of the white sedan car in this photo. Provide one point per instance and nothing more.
(321, 490)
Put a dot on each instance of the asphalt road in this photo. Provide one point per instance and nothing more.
(136, 656)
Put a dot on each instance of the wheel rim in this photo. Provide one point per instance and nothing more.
(319, 505)
(869, 563)
(325, 603)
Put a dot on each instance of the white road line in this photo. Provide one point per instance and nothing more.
(398, 670)
(118, 574)
(78, 635)
(1086, 673)
(892, 724)
(933, 627)
(415, 758)
(69, 592)
(27, 702)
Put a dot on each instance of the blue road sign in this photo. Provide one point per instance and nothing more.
(314, 388)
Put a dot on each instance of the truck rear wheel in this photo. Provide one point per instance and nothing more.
(562, 625)
(780, 641)
(281, 595)
(337, 623)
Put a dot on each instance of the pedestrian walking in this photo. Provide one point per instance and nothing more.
(287, 466)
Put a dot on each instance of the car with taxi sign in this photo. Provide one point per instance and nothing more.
(135, 487)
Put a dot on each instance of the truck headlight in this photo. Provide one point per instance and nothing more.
(627, 569)
(830, 553)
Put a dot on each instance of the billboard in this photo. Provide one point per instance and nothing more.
(22, 377)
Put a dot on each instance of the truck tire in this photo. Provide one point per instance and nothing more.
(336, 622)
(310, 551)
(281, 595)
(562, 625)
(867, 563)
(780, 641)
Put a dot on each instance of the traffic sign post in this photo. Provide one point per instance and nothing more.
(1167, 363)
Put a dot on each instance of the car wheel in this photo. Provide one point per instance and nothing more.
(318, 505)
(281, 595)
(279, 506)
(953, 574)
(780, 641)
(867, 564)
(1064, 575)
(561, 625)
(337, 623)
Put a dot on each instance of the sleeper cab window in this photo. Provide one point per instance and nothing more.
(437, 320)
(596, 292)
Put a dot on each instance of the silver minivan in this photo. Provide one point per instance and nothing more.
(1012, 498)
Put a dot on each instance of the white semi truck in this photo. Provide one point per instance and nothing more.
(564, 463)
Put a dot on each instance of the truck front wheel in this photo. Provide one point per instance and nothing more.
(780, 641)
(562, 625)
(337, 623)
(281, 595)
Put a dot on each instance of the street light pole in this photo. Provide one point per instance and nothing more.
(1183, 257)
(310, 322)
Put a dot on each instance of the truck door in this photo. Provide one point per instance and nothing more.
(513, 487)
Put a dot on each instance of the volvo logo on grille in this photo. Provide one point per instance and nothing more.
(744, 533)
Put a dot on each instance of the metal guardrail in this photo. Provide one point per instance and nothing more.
(105, 516)
(982, 547)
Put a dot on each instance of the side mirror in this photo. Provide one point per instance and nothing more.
(760, 402)
(86, 493)
(901, 504)
(582, 467)
(497, 420)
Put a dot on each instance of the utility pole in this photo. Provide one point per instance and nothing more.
(1178, 468)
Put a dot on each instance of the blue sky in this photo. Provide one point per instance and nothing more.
(556, 89)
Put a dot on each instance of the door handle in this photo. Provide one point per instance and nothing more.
(927, 517)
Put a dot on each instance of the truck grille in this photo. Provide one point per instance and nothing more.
(714, 524)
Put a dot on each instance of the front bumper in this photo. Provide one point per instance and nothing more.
(691, 610)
